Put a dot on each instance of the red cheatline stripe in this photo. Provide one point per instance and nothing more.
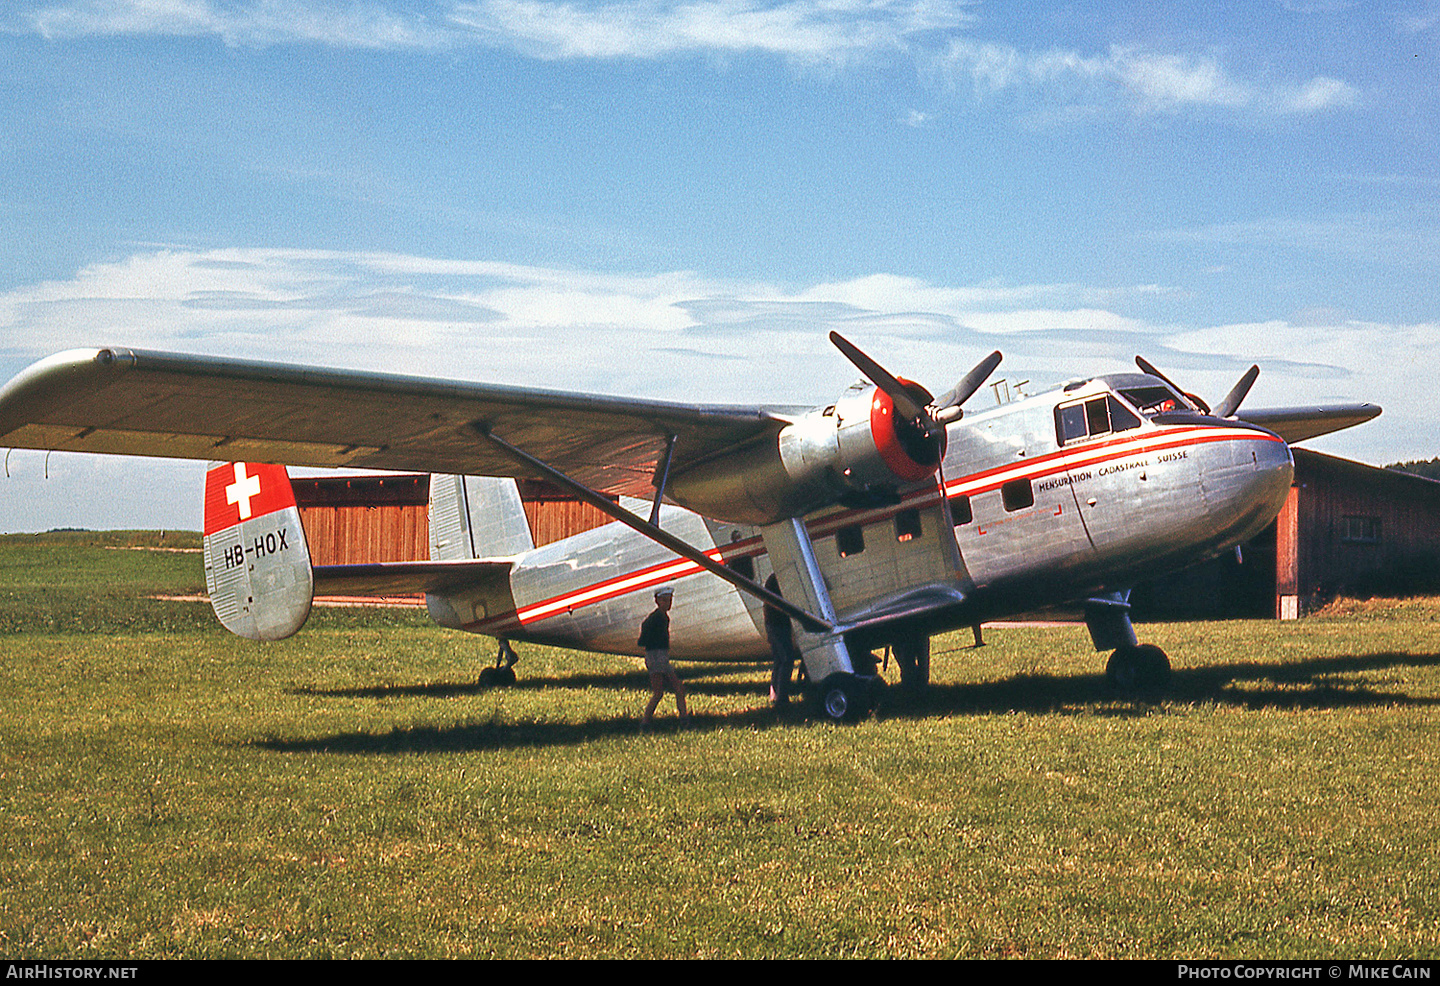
(1094, 455)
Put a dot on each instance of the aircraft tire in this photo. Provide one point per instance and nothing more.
(1141, 671)
(843, 698)
(492, 677)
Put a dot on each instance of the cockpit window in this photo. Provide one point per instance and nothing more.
(1155, 400)
(1090, 418)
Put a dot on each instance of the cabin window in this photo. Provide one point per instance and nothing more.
(1097, 417)
(1091, 418)
(960, 512)
(1121, 417)
(1070, 421)
(1017, 494)
(1360, 530)
(850, 540)
(907, 525)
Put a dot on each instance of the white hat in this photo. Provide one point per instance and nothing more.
(664, 590)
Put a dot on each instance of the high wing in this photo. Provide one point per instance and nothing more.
(1295, 424)
(137, 402)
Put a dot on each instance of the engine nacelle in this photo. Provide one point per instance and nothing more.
(859, 451)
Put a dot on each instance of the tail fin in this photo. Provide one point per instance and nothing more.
(257, 564)
(476, 517)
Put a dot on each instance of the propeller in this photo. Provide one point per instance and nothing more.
(933, 416)
(948, 406)
(1227, 406)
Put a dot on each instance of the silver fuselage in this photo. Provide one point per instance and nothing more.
(1021, 515)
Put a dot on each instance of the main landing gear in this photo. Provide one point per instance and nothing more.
(503, 673)
(1138, 670)
(845, 697)
(1135, 670)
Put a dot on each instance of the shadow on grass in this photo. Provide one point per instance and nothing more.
(495, 735)
(702, 681)
(1319, 683)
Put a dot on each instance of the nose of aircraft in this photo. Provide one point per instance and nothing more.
(1254, 488)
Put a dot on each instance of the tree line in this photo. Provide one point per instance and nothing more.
(1429, 468)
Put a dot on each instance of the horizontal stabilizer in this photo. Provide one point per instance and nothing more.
(1295, 424)
(407, 577)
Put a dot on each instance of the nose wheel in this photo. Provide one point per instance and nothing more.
(1138, 671)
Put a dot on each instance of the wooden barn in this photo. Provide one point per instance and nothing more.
(356, 519)
(554, 514)
(350, 520)
(1352, 528)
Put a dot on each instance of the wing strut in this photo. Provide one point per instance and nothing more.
(811, 622)
(662, 479)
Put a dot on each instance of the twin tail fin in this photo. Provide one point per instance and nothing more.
(257, 563)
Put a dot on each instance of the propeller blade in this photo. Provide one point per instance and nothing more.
(905, 402)
(1149, 368)
(968, 384)
(1227, 407)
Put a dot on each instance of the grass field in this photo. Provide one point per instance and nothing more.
(167, 790)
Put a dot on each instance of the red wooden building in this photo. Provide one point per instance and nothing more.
(1352, 528)
(356, 519)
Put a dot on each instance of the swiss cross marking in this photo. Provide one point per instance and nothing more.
(240, 491)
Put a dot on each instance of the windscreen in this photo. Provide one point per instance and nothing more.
(1155, 400)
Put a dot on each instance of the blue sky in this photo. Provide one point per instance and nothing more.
(680, 200)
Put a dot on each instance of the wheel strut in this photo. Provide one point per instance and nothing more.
(503, 671)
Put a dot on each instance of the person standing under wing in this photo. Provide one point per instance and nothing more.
(655, 642)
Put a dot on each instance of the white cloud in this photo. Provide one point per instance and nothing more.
(1144, 81)
(1073, 87)
(671, 334)
(256, 22)
(1408, 238)
(1418, 22)
(675, 335)
(1339, 361)
(807, 31)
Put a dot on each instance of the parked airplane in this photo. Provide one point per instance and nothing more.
(883, 517)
